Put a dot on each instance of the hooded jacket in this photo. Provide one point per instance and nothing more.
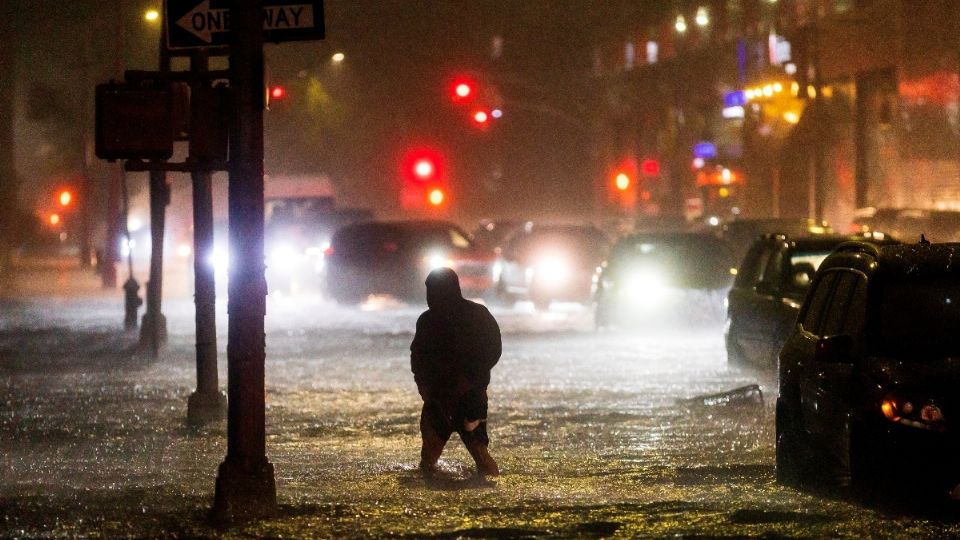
(457, 341)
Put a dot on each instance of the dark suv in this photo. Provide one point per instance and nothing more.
(771, 282)
(869, 375)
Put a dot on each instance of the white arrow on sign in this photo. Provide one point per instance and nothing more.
(203, 22)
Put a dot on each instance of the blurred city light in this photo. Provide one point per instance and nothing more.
(54, 219)
(424, 168)
(151, 15)
(463, 90)
(480, 117)
(681, 24)
(436, 197)
(622, 181)
(702, 18)
(337, 57)
(65, 198)
(496, 113)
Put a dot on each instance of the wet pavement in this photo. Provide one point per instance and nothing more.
(596, 433)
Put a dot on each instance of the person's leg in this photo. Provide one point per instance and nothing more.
(433, 434)
(476, 441)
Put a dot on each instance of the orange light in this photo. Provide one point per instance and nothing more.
(622, 181)
(54, 219)
(436, 197)
(65, 198)
(889, 408)
(723, 192)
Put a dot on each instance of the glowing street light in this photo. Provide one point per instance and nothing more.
(337, 57)
(151, 15)
(702, 18)
(681, 24)
(436, 197)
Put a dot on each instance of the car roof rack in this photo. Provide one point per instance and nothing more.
(856, 246)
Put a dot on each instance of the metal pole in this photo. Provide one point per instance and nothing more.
(245, 480)
(153, 333)
(207, 403)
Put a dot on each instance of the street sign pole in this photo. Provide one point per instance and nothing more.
(207, 403)
(245, 481)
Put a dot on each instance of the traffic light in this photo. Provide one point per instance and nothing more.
(65, 198)
(436, 197)
(276, 93)
(650, 167)
(462, 90)
(622, 181)
(481, 117)
(424, 169)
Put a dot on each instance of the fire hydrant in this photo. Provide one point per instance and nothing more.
(131, 303)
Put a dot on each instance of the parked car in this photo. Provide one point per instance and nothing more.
(741, 233)
(909, 223)
(543, 263)
(394, 257)
(771, 283)
(653, 278)
(869, 374)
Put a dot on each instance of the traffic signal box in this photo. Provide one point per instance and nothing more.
(134, 122)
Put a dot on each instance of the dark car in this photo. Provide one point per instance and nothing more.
(543, 263)
(741, 233)
(771, 282)
(394, 257)
(869, 374)
(663, 277)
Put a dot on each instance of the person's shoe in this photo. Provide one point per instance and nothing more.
(487, 466)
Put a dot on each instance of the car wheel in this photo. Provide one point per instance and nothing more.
(789, 460)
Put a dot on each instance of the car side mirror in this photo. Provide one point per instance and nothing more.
(834, 349)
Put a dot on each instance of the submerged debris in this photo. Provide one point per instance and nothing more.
(744, 395)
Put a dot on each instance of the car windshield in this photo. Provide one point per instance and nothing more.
(918, 318)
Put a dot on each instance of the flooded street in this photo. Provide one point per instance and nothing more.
(595, 432)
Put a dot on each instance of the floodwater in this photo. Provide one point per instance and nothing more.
(594, 432)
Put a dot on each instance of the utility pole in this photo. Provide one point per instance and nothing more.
(245, 480)
(153, 332)
(207, 403)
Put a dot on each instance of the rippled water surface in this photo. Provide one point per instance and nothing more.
(595, 433)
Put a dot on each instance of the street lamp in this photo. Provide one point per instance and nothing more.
(681, 24)
(337, 57)
(151, 15)
(702, 19)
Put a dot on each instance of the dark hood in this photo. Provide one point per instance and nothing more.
(443, 289)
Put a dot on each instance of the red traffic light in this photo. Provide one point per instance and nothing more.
(421, 165)
(424, 168)
(481, 117)
(462, 90)
(650, 167)
(278, 92)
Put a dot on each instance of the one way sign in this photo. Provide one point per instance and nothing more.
(190, 24)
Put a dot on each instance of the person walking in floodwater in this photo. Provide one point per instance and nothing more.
(456, 345)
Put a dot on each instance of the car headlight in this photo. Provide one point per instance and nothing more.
(437, 260)
(282, 256)
(912, 413)
(553, 270)
(219, 260)
(647, 287)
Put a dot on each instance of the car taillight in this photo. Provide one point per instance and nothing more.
(328, 252)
